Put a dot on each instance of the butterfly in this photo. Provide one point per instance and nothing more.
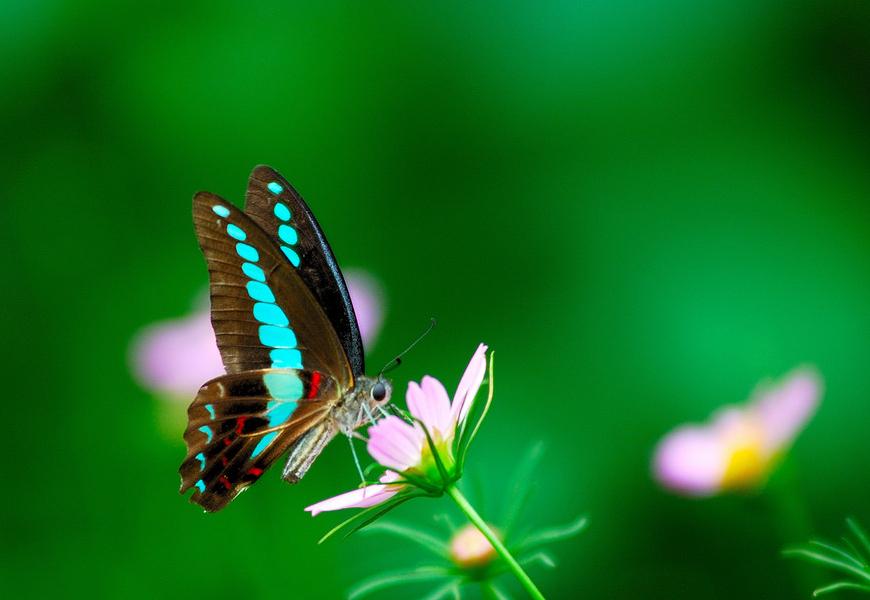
(288, 338)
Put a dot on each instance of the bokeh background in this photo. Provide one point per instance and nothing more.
(644, 208)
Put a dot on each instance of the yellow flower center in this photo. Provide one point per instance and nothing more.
(748, 461)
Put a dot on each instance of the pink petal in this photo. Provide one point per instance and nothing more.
(367, 298)
(691, 460)
(470, 383)
(429, 403)
(395, 444)
(361, 498)
(785, 409)
(176, 357)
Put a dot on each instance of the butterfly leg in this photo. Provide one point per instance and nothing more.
(306, 449)
(359, 470)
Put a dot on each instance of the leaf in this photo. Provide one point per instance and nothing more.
(832, 562)
(451, 587)
(841, 585)
(422, 538)
(378, 510)
(521, 488)
(553, 534)
(858, 532)
(838, 552)
(394, 578)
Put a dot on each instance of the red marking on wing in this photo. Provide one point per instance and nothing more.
(223, 479)
(315, 385)
(224, 460)
(240, 422)
(255, 471)
(227, 441)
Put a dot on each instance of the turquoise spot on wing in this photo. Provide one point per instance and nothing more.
(284, 386)
(277, 337)
(287, 234)
(210, 410)
(247, 252)
(236, 232)
(207, 430)
(200, 485)
(221, 211)
(253, 271)
(275, 187)
(291, 255)
(279, 412)
(281, 211)
(270, 314)
(201, 458)
(260, 291)
(283, 358)
(264, 443)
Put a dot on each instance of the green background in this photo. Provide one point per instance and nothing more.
(642, 209)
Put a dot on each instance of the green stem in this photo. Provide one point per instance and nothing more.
(509, 560)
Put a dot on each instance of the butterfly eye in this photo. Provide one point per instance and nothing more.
(379, 392)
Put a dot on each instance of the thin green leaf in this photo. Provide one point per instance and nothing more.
(855, 552)
(838, 552)
(422, 538)
(841, 585)
(493, 590)
(826, 560)
(521, 488)
(449, 588)
(539, 557)
(858, 532)
(553, 534)
(463, 449)
(377, 515)
(391, 503)
(395, 578)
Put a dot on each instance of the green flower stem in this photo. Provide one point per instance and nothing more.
(509, 560)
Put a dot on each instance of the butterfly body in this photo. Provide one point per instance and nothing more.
(288, 338)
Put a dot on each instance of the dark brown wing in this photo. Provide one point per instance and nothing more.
(280, 211)
(239, 424)
(263, 313)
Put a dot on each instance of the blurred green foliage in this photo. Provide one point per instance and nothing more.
(642, 209)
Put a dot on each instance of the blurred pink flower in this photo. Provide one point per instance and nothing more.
(402, 447)
(740, 445)
(175, 357)
(470, 549)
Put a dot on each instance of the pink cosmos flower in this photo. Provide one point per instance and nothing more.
(175, 357)
(402, 447)
(740, 446)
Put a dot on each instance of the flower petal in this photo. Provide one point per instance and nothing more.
(175, 357)
(430, 403)
(395, 444)
(361, 498)
(469, 384)
(367, 299)
(691, 460)
(784, 410)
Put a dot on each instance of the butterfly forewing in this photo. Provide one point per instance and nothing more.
(239, 424)
(280, 211)
(264, 315)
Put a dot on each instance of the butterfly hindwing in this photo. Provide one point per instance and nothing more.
(239, 424)
(263, 313)
(280, 211)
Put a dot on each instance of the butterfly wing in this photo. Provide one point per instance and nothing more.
(280, 211)
(239, 424)
(263, 313)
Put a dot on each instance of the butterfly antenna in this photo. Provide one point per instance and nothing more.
(398, 360)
